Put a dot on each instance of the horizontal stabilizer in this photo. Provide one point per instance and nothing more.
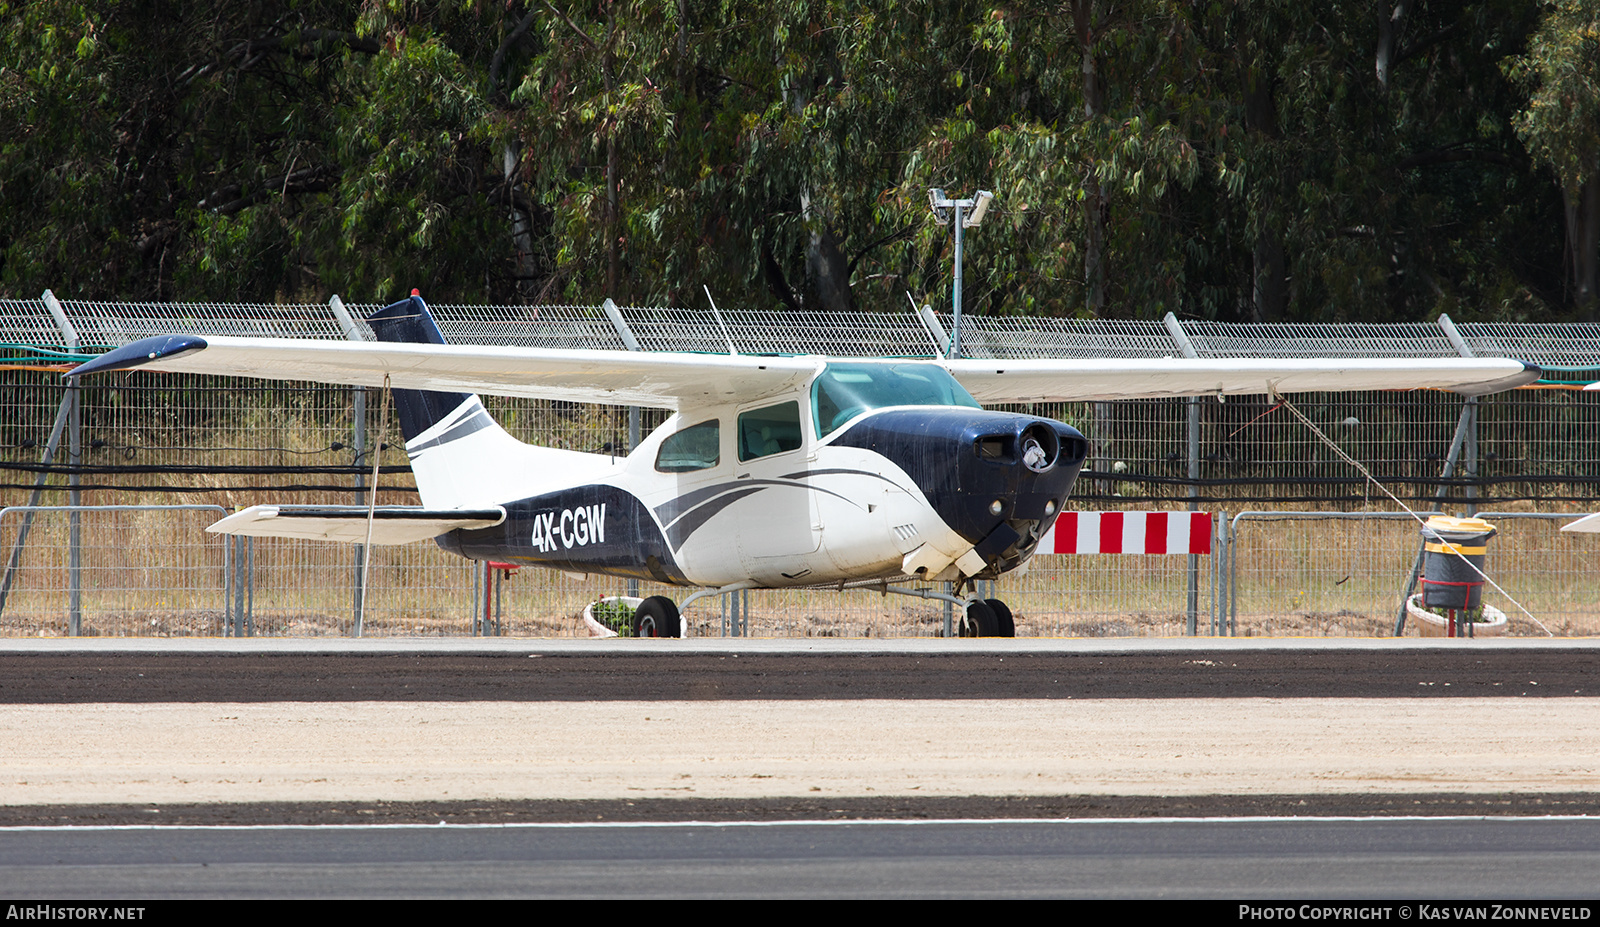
(1588, 523)
(391, 524)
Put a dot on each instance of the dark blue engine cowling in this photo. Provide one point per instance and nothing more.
(965, 460)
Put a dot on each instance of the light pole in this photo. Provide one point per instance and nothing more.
(944, 210)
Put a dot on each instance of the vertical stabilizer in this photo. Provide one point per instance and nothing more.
(409, 322)
(460, 457)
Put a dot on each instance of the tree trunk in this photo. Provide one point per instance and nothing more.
(1096, 202)
(1389, 23)
(613, 223)
(828, 269)
(1583, 246)
(521, 226)
(1269, 290)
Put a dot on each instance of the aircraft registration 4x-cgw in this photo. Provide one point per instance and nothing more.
(569, 528)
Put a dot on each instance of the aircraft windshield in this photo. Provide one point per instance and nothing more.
(844, 391)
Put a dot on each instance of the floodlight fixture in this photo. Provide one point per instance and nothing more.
(975, 218)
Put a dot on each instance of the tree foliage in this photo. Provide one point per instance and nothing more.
(1268, 161)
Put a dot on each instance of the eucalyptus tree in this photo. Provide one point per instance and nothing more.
(1561, 127)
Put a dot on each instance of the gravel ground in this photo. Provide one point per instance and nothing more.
(432, 751)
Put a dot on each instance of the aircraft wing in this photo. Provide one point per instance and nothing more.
(680, 380)
(658, 380)
(391, 524)
(997, 381)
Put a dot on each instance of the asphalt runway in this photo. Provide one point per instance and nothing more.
(1234, 860)
(1437, 747)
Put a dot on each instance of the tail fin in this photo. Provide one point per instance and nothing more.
(409, 322)
(460, 457)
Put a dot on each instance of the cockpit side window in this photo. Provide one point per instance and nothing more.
(698, 447)
(771, 430)
(844, 391)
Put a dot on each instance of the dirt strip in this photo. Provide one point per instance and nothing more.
(757, 810)
(388, 752)
(532, 675)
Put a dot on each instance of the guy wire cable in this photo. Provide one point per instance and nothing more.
(1366, 473)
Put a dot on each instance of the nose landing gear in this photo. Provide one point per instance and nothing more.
(987, 618)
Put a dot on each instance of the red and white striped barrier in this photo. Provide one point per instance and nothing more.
(1128, 533)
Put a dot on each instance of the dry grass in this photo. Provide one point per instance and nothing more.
(160, 574)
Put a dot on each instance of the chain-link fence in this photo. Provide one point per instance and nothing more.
(153, 571)
(114, 571)
(146, 438)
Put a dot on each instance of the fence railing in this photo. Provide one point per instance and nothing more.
(1321, 573)
(151, 570)
(92, 325)
(137, 569)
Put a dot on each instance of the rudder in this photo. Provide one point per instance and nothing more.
(409, 322)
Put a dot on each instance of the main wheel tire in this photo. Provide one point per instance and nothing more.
(980, 621)
(657, 617)
(1005, 625)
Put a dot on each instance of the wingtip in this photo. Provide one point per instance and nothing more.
(1530, 373)
(139, 353)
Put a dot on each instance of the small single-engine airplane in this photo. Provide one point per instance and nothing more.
(774, 471)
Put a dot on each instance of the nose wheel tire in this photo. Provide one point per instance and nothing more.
(1005, 625)
(657, 617)
(979, 621)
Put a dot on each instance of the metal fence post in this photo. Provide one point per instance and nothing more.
(1469, 418)
(631, 343)
(358, 441)
(227, 586)
(69, 334)
(478, 597)
(935, 330)
(1219, 558)
(358, 437)
(250, 585)
(14, 562)
(1175, 329)
(1470, 413)
(238, 586)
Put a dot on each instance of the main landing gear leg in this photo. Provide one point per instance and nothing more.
(695, 597)
(979, 617)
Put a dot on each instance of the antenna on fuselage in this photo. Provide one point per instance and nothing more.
(718, 313)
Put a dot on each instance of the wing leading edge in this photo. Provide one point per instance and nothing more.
(654, 379)
(676, 380)
(995, 381)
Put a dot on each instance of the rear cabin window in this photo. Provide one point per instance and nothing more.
(698, 447)
(845, 391)
(772, 430)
